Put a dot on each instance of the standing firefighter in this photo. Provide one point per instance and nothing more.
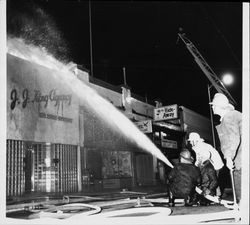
(229, 131)
(183, 179)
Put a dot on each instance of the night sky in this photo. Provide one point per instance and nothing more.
(142, 37)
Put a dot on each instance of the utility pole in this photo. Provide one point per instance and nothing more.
(124, 76)
(90, 41)
(211, 114)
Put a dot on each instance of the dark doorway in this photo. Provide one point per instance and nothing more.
(144, 169)
(28, 160)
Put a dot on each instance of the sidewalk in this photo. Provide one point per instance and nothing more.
(113, 200)
(32, 200)
(86, 196)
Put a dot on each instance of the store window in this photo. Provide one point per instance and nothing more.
(116, 164)
(15, 168)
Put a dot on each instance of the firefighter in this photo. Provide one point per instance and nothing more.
(202, 148)
(209, 180)
(183, 178)
(230, 134)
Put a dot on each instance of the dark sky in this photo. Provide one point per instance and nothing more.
(142, 37)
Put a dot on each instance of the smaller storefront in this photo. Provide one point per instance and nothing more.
(108, 169)
(169, 138)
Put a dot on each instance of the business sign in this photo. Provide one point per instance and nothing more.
(169, 144)
(145, 126)
(47, 101)
(40, 106)
(166, 113)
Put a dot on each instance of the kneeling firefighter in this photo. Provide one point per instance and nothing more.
(183, 179)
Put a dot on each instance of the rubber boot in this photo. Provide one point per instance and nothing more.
(188, 201)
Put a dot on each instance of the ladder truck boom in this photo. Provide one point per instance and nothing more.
(212, 77)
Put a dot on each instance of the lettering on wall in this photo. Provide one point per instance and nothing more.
(55, 117)
(25, 97)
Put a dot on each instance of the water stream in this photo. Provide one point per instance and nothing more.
(103, 108)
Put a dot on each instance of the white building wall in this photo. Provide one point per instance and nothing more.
(40, 107)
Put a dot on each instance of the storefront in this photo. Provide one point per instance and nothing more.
(109, 156)
(56, 145)
(43, 131)
(169, 139)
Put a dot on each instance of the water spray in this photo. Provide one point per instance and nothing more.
(88, 96)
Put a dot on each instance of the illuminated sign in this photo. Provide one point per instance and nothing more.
(169, 144)
(145, 126)
(166, 113)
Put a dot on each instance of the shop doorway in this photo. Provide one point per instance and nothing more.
(28, 168)
(144, 169)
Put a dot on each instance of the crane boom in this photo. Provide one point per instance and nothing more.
(212, 77)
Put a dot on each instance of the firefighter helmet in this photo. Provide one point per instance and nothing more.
(194, 137)
(186, 154)
(221, 100)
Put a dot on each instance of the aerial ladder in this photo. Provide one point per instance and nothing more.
(212, 77)
(210, 74)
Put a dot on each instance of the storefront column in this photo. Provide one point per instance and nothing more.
(79, 173)
(81, 155)
(154, 169)
(32, 169)
(48, 166)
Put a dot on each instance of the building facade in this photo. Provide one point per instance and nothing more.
(42, 131)
(57, 143)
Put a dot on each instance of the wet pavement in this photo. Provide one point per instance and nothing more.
(111, 200)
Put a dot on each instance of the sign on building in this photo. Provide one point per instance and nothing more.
(169, 144)
(145, 126)
(166, 113)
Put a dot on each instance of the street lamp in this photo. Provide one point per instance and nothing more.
(227, 79)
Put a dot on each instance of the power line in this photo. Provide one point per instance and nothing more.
(90, 40)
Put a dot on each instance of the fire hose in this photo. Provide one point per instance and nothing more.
(228, 204)
(216, 199)
(67, 210)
